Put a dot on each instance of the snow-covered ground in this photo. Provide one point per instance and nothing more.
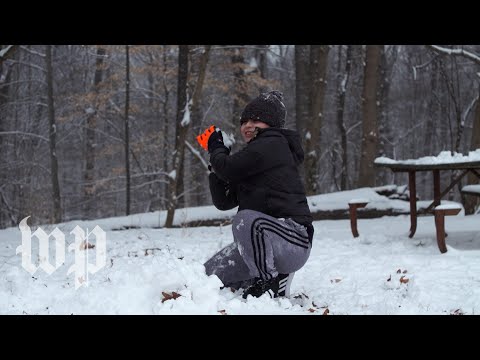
(381, 272)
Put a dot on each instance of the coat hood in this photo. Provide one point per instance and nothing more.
(292, 137)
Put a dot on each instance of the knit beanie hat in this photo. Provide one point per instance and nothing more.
(267, 107)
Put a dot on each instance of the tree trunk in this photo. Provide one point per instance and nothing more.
(240, 95)
(198, 176)
(57, 210)
(344, 76)
(166, 122)
(370, 117)
(5, 72)
(183, 123)
(127, 129)
(261, 57)
(5, 75)
(383, 107)
(471, 202)
(89, 189)
(302, 98)
(318, 68)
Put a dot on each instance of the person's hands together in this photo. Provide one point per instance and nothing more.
(215, 141)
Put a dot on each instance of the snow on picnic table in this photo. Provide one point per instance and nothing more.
(445, 157)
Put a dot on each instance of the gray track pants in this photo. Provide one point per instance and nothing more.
(264, 247)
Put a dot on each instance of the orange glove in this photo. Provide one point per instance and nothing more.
(203, 138)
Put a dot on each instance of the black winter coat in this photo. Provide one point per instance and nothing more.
(263, 176)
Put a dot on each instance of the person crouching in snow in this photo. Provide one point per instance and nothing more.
(273, 229)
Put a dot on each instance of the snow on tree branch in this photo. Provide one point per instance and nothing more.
(196, 154)
(5, 51)
(456, 52)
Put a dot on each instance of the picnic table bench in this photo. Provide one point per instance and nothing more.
(435, 165)
(353, 205)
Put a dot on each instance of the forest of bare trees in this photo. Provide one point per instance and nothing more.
(90, 131)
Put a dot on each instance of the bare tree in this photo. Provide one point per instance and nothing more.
(261, 57)
(6, 51)
(318, 69)
(388, 55)
(343, 78)
(197, 176)
(311, 65)
(165, 113)
(240, 86)
(370, 116)
(302, 98)
(183, 123)
(127, 128)
(472, 202)
(90, 146)
(57, 210)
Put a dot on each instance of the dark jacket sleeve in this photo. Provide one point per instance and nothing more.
(223, 194)
(236, 167)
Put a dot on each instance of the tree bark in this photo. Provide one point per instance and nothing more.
(198, 176)
(471, 202)
(344, 76)
(382, 108)
(57, 210)
(302, 98)
(370, 117)
(182, 126)
(127, 129)
(240, 95)
(5, 76)
(318, 68)
(90, 146)
(166, 122)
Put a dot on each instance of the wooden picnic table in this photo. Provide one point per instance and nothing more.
(412, 167)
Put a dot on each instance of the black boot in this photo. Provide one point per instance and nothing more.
(260, 287)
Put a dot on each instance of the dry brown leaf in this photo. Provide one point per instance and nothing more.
(223, 312)
(167, 296)
(311, 310)
(326, 312)
(404, 280)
